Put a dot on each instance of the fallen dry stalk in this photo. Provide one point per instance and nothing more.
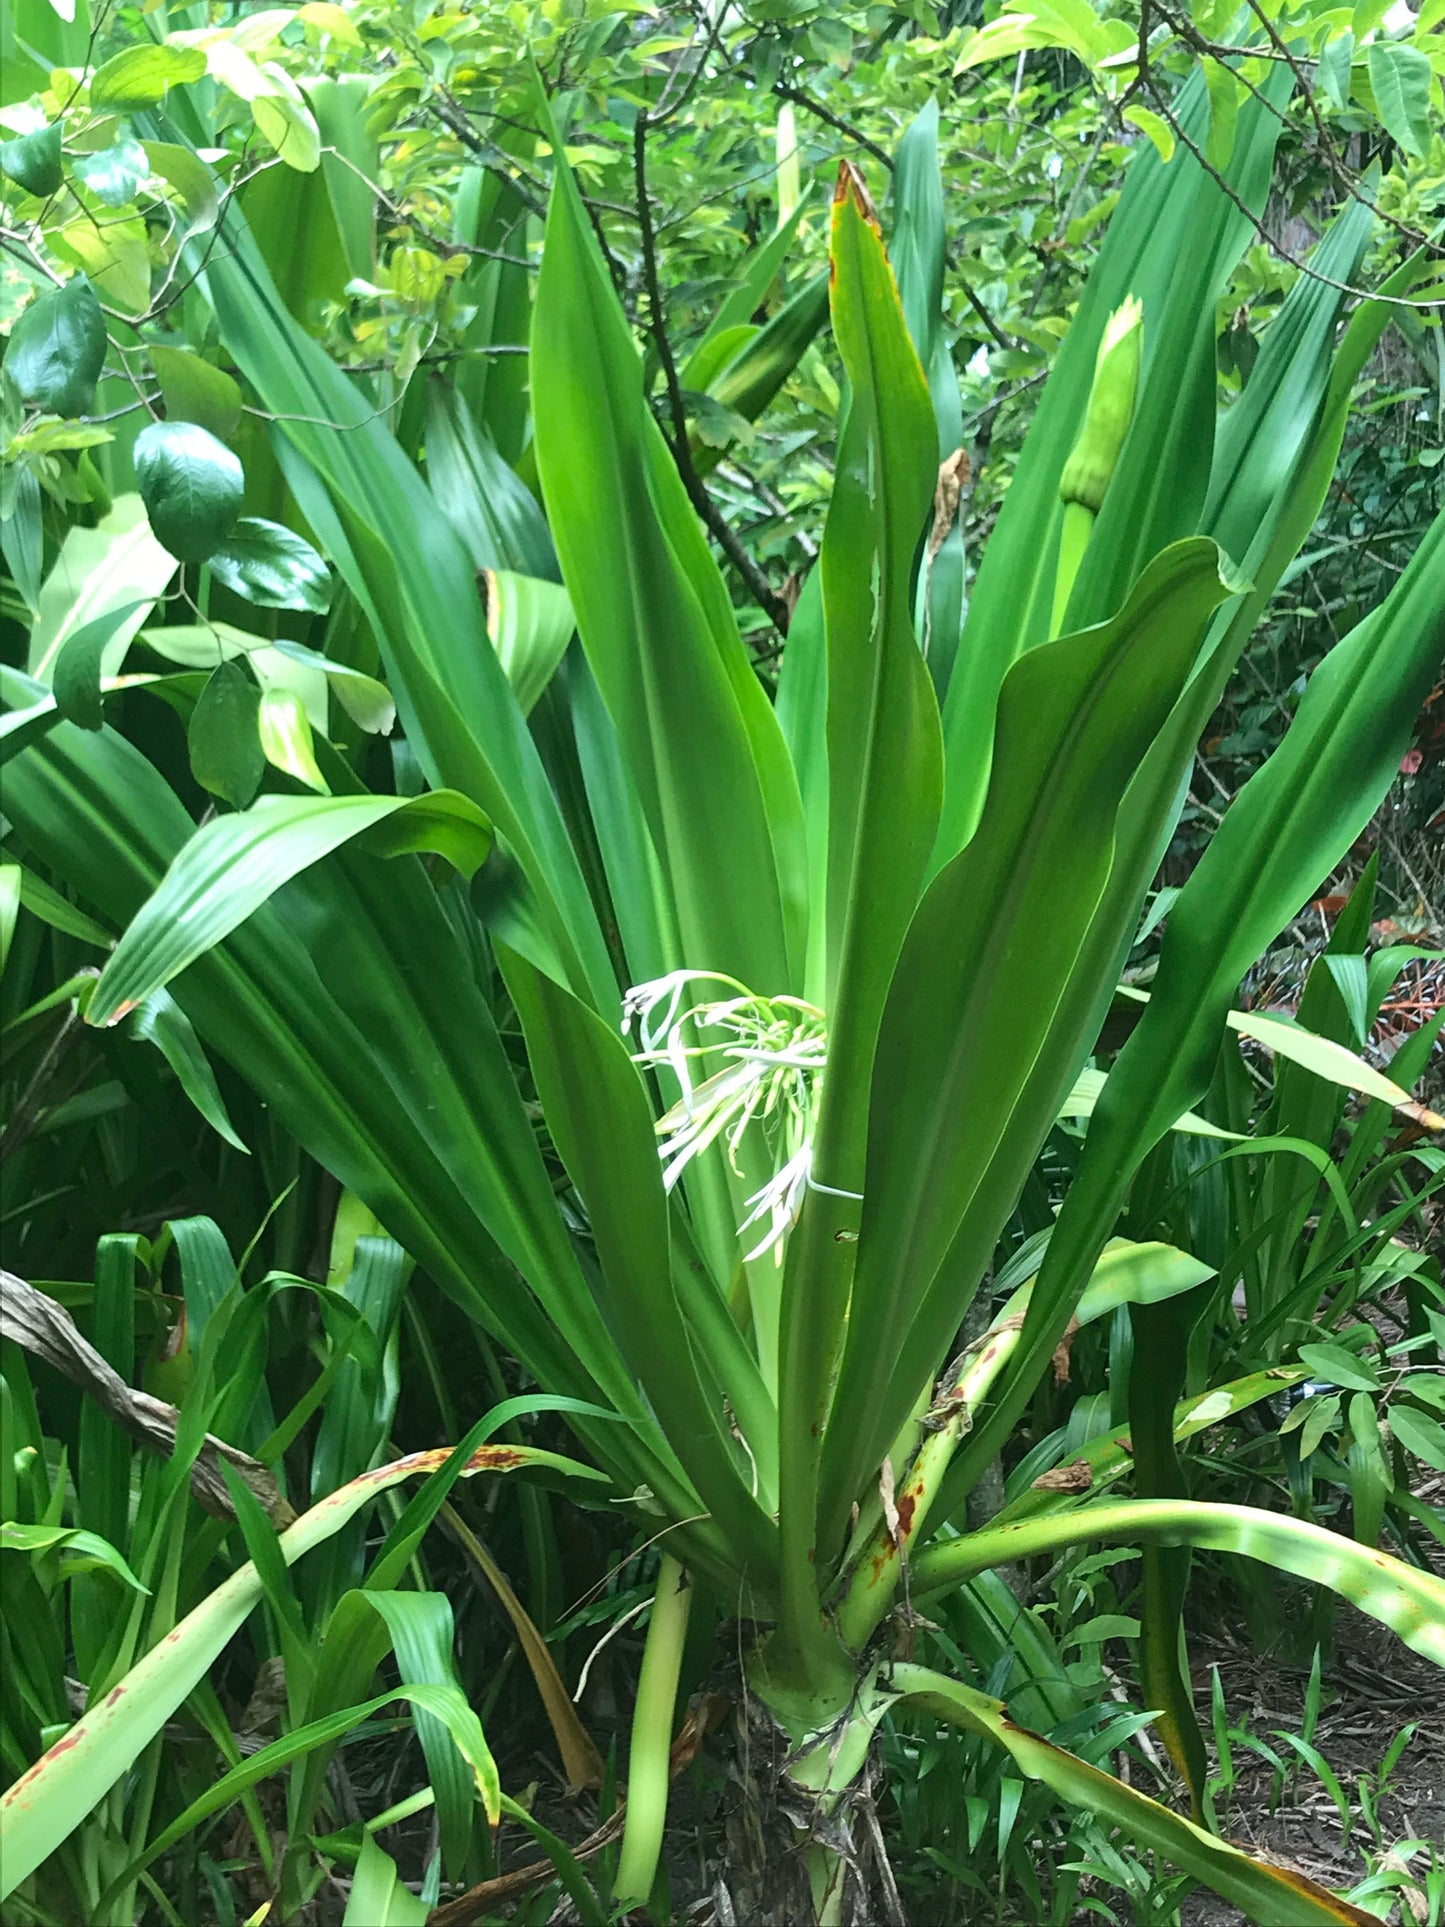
(46, 1329)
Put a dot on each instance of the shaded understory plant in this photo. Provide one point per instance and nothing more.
(850, 955)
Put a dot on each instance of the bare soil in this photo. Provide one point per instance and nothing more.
(1379, 1688)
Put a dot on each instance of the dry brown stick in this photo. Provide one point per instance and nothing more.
(490, 1894)
(46, 1329)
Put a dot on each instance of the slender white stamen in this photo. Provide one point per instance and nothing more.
(773, 1052)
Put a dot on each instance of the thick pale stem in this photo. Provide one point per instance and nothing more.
(877, 1573)
(1078, 526)
(652, 1723)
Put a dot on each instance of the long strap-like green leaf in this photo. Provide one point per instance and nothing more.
(1270, 1895)
(1289, 825)
(969, 1077)
(46, 1804)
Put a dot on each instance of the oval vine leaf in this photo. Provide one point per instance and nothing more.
(1155, 126)
(191, 485)
(194, 391)
(76, 678)
(57, 349)
(272, 566)
(225, 747)
(1400, 76)
(140, 76)
(366, 701)
(285, 734)
(114, 254)
(33, 160)
(1339, 1367)
(115, 173)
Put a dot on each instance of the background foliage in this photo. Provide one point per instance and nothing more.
(388, 162)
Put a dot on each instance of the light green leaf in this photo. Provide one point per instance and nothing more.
(234, 864)
(1402, 79)
(286, 738)
(1224, 96)
(184, 171)
(89, 1548)
(1423, 1436)
(1339, 1367)
(140, 76)
(1329, 1060)
(56, 349)
(366, 701)
(378, 1898)
(1264, 1892)
(1407, 1599)
(100, 571)
(1157, 128)
(1333, 71)
(115, 254)
(530, 624)
(11, 878)
(283, 119)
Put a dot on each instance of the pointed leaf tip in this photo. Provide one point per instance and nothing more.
(852, 187)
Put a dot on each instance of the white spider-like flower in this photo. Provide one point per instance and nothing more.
(773, 1052)
(780, 1201)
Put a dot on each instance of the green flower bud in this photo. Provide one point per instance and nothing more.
(1095, 454)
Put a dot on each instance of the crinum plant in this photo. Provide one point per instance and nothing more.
(804, 978)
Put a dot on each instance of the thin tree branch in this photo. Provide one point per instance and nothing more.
(1276, 248)
(786, 91)
(758, 585)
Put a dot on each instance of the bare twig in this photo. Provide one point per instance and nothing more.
(786, 91)
(717, 525)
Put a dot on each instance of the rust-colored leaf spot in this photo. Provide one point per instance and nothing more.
(851, 186)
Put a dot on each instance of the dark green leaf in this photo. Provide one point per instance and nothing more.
(272, 566)
(78, 666)
(139, 76)
(57, 349)
(33, 160)
(191, 485)
(225, 743)
(161, 1021)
